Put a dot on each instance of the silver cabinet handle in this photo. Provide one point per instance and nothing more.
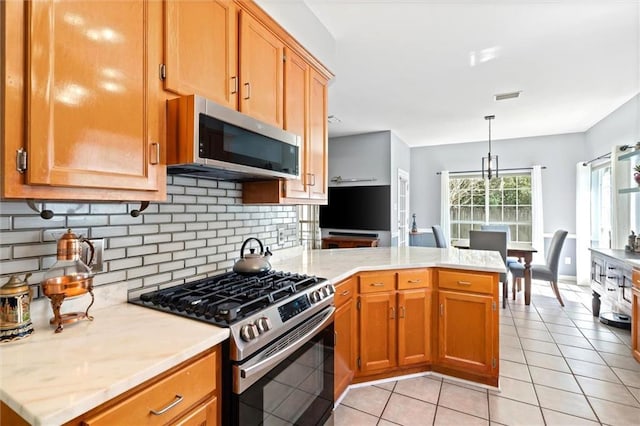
(235, 85)
(312, 182)
(402, 312)
(414, 281)
(156, 150)
(442, 309)
(345, 293)
(393, 313)
(178, 399)
(247, 86)
(465, 283)
(377, 284)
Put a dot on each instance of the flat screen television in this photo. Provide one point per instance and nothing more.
(358, 207)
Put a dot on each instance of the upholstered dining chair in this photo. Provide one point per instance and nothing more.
(438, 235)
(503, 228)
(497, 241)
(548, 271)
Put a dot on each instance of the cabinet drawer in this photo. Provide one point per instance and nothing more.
(371, 282)
(344, 291)
(414, 278)
(635, 276)
(187, 385)
(466, 281)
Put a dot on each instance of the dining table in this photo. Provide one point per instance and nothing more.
(523, 251)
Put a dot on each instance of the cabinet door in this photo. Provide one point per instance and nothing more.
(635, 325)
(201, 49)
(377, 332)
(466, 332)
(318, 139)
(414, 326)
(92, 110)
(296, 95)
(261, 72)
(344, 365)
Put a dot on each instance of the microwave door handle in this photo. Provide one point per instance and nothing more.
(253, 373)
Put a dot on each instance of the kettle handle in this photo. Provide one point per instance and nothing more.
(92, 250)
(245, 244)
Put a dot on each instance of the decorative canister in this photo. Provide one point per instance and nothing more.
(15, 316)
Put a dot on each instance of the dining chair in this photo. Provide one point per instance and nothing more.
(503, 228)
(548, 271)
(496, 241)
(438, 235)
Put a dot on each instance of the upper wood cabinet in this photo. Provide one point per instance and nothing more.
(317, 154)
(81, 97)
(201, 49)
(261, 71)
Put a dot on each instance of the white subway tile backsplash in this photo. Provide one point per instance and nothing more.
(110, 231)
(143, 229)
(20, 237)
(17, 266)
(36, 222)
(196, 233)
(158, 238)
(128, 263)
(171, 247)
(141, 272)
(34, 250)
(142, 250)
(171, 266)
(157, 258)
(86, 221)
(125, 241)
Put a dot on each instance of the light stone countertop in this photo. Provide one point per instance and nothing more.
(338, 264)
(51, 378)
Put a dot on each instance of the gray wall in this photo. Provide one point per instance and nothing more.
(376, 155)
(196, 233)
(621, 127)
(559, 153)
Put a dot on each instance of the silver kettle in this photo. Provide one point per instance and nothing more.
(253, 263)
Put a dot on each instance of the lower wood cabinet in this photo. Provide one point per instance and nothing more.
(635, 315)
(345, 336)
(394, 325)
(465, 331)
(185, 395)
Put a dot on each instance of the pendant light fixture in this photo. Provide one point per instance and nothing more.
(490, 163)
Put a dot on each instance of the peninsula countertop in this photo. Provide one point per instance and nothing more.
(51, 378)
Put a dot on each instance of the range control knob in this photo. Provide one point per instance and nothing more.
(326, 291)
(248, 332)
(316, 296)
(263, 324)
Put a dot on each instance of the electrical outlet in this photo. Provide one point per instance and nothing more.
(567, 260)
(281, 236)
(97, 263)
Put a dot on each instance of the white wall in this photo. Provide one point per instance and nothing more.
(400, 159)
(559, 153)
(298, 20)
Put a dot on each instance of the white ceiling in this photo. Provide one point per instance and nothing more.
(428, 70)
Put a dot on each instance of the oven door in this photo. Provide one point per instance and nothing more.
(291, 381)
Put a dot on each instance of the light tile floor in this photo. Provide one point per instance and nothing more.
(558, 366)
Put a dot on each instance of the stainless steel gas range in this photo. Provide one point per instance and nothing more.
(278, 363)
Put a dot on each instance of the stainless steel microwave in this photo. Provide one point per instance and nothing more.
(208, 140)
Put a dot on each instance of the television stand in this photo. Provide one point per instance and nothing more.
(347, 241)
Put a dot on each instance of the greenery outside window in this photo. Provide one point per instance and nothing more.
(504, 200)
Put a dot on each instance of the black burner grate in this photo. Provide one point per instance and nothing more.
(225, 298)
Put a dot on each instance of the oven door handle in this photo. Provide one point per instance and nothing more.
(258, 368)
